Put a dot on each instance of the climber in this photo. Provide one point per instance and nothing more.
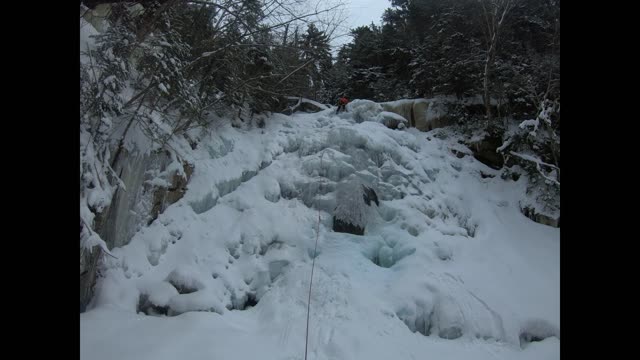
(342, 102)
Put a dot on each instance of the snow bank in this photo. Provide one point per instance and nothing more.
(366, 110)
(447, 265)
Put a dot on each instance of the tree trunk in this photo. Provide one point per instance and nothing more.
(487, 101)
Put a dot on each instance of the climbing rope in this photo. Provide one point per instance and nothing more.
(313, 265)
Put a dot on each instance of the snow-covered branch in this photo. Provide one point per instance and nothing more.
(538, 162)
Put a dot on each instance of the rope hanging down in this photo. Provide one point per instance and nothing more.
(313, 265)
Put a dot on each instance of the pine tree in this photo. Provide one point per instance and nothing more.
(316, 52)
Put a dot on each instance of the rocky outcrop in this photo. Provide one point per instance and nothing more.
(484, 150)
(352, 201)
(165, 196)
(88, 272)
(437, 112)
(151, 183)
(544, 219)
(419, 113)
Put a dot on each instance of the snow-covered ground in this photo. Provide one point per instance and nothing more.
(448, 267)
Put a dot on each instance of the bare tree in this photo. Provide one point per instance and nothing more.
(495, 12)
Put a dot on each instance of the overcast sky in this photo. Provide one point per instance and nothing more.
(362, 12)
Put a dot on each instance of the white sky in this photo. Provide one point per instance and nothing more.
(362, 12)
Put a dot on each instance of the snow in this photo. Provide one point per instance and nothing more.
(321, 106)
(162, 87)
(400, 102)
(351, 208)
(394, 116)
(366, 110)
(503, 146)
(448, 265)
(159, 293)
(89, 242)
(539, 162)
(532, 159)
(467, 100)
(305, 100)
(98, 197)
(435, 111)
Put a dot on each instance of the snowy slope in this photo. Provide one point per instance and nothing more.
(448, 268)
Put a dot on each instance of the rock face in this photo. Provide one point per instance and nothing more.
(485, 151)
(369, 195)
(403, 108)
(165, 196)
(432, 113)
(350, 214)
(541, 218)
(346, 227)
(143, 198)
(141, 203)
(411, 109)
(419, 112)
(88, 269)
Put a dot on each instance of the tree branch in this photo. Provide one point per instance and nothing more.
(538, 163)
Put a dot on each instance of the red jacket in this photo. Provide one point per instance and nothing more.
(343, 101)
